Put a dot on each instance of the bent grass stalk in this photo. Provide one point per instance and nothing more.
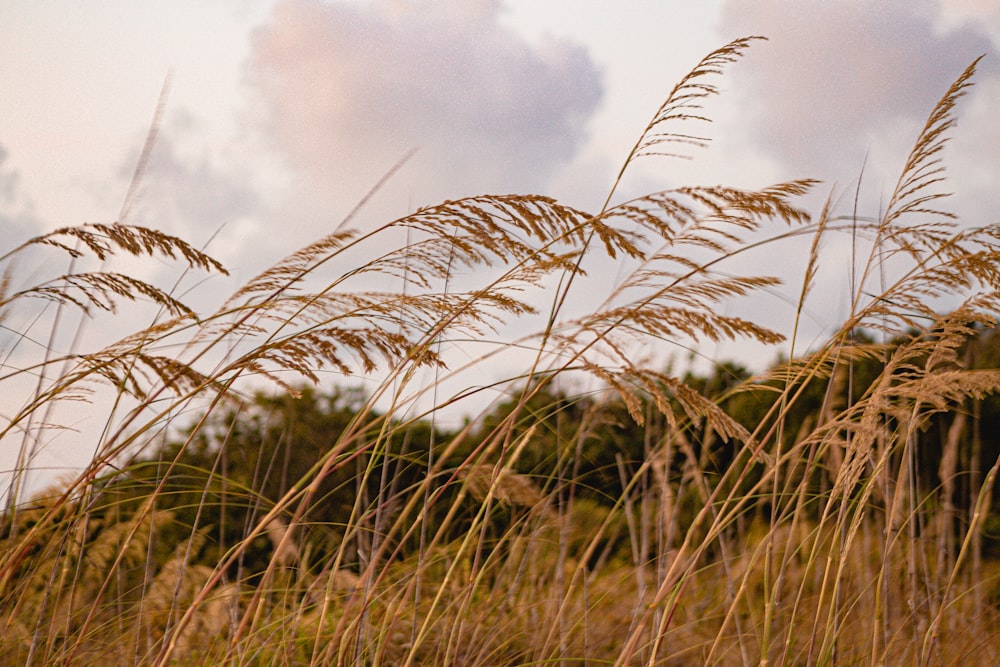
(643, 526)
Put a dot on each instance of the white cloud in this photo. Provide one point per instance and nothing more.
(190, 190)
(983, 14)
(347, 90)
(16, 219)
(842, 86)
(842, 80)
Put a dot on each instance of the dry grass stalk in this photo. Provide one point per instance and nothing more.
(714, 540)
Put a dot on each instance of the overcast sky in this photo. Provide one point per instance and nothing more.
(282, 114)
(289, 111)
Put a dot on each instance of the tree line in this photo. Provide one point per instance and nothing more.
(587, 451)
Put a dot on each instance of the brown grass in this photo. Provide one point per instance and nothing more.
(816, 543)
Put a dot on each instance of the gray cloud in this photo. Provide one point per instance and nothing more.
(8, 180)
(842, 80)
(190, 194)
(842, 86)
(347, 90)
(16, 218)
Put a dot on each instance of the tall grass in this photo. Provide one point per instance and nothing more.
(812, 542)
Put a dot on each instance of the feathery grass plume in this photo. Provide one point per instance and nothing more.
(60, 376)
(100, 289)
(795, 517)
(917, 381)
(684, 103)
(345, 329)
(106, 240)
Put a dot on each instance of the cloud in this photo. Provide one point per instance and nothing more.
(983, 14)
(842, 86)
(347, 90)
(840, 81)
(16, 217)
(189, 193)
(8, 181)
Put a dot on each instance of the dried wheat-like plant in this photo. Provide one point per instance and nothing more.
(658, 518)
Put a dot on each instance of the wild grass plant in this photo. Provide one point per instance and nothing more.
(649, 521)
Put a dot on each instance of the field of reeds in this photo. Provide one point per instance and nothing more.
(239, 510)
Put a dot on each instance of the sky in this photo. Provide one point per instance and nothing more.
(282, 114)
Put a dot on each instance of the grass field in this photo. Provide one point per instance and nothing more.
(835, 510)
